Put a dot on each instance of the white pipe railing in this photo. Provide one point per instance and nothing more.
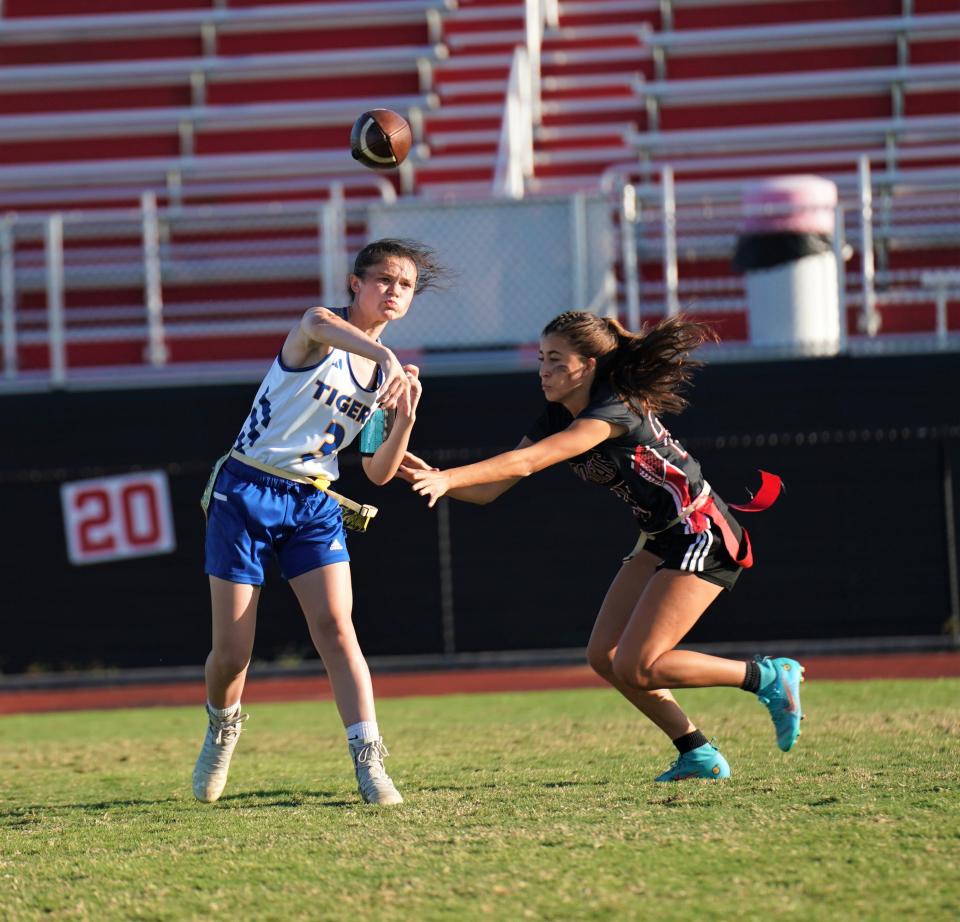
(523, 106)
(56, 322)
(870, 318)
(152, 289)
(670, 273)
(539, 15)
(333, 247)
(515, 148)
(578, 258)
(629, 214)
(8, 298)
(942, 283)
(839, 246)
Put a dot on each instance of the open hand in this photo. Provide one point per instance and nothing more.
(411, 463)
(431, 484)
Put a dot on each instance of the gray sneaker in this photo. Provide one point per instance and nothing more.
(213, 763)
(373, 782)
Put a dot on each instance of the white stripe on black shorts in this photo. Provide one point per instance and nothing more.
(703, 554)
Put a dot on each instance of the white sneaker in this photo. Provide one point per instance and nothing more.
(373, 782)
(213, 763)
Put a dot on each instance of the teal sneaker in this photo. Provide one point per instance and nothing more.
(703, 762)
(780, 692)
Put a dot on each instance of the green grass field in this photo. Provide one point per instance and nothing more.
(523, 806)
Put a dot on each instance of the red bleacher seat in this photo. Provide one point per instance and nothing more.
(229, 112)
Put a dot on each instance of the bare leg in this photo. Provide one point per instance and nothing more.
(627, 587)
(671, 603)
(234, 608)
(326, 597)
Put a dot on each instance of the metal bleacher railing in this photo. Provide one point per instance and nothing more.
(915, 97)
(892, 228)
(167, 286)
(220, 19)
(72, 279)
(147, 284)
(201, 132)
(818, 35)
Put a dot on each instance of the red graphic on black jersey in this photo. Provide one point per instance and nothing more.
(649, 465)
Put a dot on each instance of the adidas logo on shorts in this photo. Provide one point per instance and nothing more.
(336, 545)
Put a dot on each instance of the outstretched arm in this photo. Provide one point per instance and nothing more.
(511, 466)
(481, 494)
(321, 329)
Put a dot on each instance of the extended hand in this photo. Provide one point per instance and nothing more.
(431, 484)
(410, 464)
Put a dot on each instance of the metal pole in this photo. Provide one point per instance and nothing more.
(870, 320)
(156, 340)
(551, 14)
(445, 546)
(942, 316)
(333, 254)
(953, 583)
(578, 237)
(628, 246)
(534, 34)
(8, 297)
(839, 234)
(670, 275)
(56, 331)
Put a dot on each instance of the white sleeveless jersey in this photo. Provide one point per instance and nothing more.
(302, 417)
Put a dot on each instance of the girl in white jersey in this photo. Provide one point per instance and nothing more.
(331, 378)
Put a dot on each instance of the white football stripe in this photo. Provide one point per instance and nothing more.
(366, 150)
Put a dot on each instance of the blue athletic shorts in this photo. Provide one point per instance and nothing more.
(254, 515)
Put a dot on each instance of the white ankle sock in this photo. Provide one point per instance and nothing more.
(230, 711)
(364, 730)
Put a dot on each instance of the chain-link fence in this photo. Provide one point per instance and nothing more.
(877, 267)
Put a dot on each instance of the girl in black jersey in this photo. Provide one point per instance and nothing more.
(605, 389)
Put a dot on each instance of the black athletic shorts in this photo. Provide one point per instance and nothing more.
(704, 554)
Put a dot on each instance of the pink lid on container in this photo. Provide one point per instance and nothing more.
(800, 204)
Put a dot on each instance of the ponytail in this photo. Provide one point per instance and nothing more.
(652, 368)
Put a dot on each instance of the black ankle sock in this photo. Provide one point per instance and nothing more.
(690, 741)
(751, 681)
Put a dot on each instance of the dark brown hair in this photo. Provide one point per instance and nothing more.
(429, 271)
(649, 369)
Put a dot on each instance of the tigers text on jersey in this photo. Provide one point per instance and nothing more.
(302, 417)
(645, 466)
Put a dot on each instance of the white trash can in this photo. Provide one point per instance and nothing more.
(786, 254)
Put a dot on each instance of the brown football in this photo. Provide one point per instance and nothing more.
(380, 139)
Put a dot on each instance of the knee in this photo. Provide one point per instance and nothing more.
(635, 673)
(230, 660)
(332, 630)
(600, 660)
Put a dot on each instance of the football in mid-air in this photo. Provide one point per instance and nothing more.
(380, 139)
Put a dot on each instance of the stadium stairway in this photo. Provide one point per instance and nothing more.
(590, 106)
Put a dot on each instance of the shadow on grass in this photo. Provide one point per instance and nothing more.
(574, 784)
(490, 785)
(455, 788)
(29, 814)
(33, 813)
(286, 798)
